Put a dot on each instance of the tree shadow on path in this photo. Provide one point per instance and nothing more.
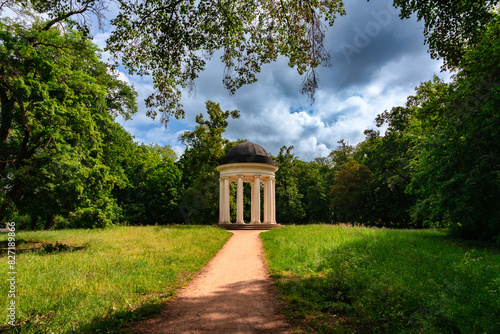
(241, 307)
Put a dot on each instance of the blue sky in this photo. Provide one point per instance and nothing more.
(376, 61)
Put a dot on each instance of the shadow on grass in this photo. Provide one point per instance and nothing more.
(42, 247)
(118, 322)
(113, 323)
(473, 244)
(319, 304)
(182, 226)
(397, 282)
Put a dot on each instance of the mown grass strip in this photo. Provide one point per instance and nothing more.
(337, 279)
(101, 280)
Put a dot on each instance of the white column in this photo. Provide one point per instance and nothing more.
(252, 204)
(221, 200)
(239, 203)
(227, 219)
(256, 199)
(266, 202)
(273, 200)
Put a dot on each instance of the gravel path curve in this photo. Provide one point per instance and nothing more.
(232, 294)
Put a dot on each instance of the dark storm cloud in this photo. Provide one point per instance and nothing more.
(369, 36)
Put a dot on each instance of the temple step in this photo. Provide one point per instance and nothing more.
(249, 226)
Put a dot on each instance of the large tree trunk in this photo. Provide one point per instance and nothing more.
(12, 197)
(33, 224)
(49, 223)
(7, 114)
(24, 153)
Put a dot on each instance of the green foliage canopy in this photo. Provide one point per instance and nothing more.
(388, 157)
(350, 191)
(289, 205)
(450, 27)
(456, 131)
(57, 96)
(154, 186)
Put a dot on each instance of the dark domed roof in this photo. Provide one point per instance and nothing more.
(247, 152)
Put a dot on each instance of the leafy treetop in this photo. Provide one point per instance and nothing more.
(451, 26)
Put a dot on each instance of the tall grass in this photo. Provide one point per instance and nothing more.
(100, 280)
(337, 279)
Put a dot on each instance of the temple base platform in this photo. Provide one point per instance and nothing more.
(249, 226)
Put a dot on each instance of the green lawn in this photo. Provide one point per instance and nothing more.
(340, 279)
(100, 280)
(333, 279)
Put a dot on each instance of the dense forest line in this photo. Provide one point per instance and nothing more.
(66, 163)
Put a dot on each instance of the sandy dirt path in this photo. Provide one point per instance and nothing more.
(232, 294)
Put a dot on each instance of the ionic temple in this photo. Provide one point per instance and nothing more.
(248, 162)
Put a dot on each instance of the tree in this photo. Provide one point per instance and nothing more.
(152, 193)
(314, 185)
(450, 27)
(289, 206)
(56, 95)
(350, 190)
(205, 147)
(341, 155)
(457, 155)
(388, 157)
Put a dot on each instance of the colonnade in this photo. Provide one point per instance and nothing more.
(255, 182)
